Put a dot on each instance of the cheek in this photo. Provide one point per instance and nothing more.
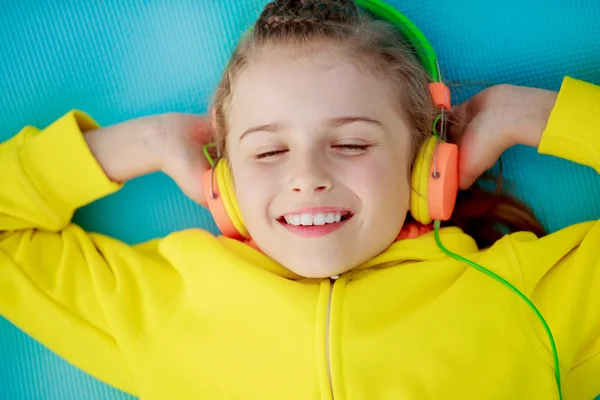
(380, 181)
(254, 188)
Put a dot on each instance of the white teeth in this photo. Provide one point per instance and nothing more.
(330, 218)
(313, 219)
(319, 219)
(296, 220)
(306, 219)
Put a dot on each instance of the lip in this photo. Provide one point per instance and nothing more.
(317, 210)
(314, 231)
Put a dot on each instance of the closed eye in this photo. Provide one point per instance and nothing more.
(352, 148)
(269, 154)
(349, 148)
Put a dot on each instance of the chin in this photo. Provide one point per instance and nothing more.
(318, 267)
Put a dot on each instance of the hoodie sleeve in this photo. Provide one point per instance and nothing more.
(561, 271)
(47, 175)
(573, 130)
(91, 299)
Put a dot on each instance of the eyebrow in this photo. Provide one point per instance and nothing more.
(334, 123)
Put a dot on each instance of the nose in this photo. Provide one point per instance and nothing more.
(310, 174)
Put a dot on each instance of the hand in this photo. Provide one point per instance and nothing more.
(183, 159)
(170, 142)
(494, 120)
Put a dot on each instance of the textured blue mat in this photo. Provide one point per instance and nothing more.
(127, 58)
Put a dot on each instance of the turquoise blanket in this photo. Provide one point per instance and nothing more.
(119, 59)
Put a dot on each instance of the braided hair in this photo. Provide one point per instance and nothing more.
(285, 14)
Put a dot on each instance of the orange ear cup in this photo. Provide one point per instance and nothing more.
(222, 202)
(435, 181)
(220, 197)
(443, 182)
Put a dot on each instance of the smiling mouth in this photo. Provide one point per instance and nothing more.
(315, 219)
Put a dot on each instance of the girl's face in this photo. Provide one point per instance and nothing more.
(320, 158)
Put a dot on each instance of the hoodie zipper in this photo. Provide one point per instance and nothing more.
(331, 284)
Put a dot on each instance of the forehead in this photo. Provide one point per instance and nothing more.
(279, 85)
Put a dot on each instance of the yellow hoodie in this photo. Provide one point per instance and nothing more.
(194, 316)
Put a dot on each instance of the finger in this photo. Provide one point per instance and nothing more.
(457, 123)
(479, 150)
(192, 186)
(188, 172)
(193, 179)
(467, 168)
(461, 117)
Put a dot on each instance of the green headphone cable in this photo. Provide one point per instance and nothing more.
(516, 291)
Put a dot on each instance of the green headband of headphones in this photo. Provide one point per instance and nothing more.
(440, 93)
(409, 30)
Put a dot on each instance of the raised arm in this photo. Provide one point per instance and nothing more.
(88, 297)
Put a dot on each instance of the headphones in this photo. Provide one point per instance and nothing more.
(435, 172)
(434, 176)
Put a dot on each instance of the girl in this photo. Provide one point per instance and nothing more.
(336, 291)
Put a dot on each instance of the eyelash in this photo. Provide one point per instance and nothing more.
(339, 146)
(353, 146)
(269, 154)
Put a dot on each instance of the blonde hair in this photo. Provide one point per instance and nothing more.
(377, 46)
(372, 44)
